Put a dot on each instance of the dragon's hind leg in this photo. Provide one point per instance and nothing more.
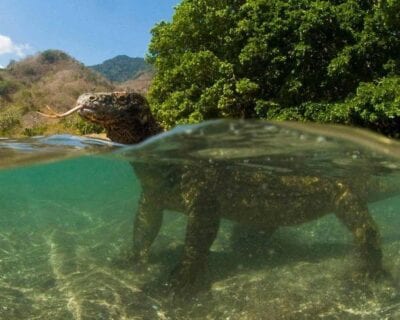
(354, 214)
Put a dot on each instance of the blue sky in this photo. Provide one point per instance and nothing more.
(89, 30)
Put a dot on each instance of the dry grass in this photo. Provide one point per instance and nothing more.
(140, 84)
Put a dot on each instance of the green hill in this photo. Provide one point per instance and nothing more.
(122, 68)
(49, 78)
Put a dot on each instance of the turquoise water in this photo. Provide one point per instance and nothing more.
(67, 208)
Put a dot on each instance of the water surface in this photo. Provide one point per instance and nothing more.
(67, 209)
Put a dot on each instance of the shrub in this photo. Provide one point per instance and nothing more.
(34, 131)
(7, 87)
(8, 120)
(52, 56)
(375, 105)
(81, 126)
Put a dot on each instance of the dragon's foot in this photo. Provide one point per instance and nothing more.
(139, 261)
(187, 279)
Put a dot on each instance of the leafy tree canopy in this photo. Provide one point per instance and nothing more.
(287, 59)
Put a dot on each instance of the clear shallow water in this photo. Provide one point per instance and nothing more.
(66, 215)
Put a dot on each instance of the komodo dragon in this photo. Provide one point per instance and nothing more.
(248, 197)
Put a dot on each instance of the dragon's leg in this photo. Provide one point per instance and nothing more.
(147, 225)
(201, 231)
(355, 216)
(202, 227)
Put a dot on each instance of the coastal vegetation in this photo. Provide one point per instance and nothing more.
(320, 60)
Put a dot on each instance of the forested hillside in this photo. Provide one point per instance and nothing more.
(123, 68)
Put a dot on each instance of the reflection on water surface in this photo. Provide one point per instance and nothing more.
(66, 227)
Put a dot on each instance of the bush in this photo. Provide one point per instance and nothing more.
(35, 131)
(8, 120)
(7, 87)
(375, 105)
(52, 56)
(81, 126)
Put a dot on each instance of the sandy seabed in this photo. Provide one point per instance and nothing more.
(77, 268)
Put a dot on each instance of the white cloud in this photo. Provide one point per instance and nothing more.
(8, 46)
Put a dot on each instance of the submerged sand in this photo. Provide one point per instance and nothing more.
(79, 269)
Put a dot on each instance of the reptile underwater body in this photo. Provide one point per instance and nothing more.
(250, 197)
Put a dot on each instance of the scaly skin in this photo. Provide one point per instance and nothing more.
(251, 197)
(126, 117)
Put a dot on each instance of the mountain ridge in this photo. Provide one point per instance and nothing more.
(122, 68)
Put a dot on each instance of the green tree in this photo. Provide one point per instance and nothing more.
(53, 56)
(270, 58)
